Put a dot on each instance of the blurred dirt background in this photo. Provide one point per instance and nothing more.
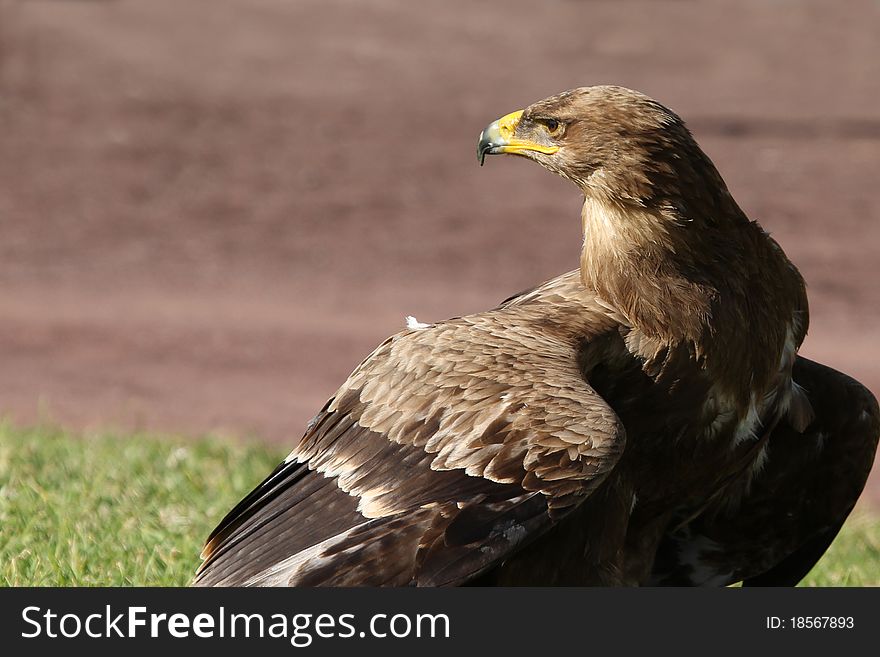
(211, 210)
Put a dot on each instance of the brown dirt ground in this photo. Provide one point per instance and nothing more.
(210, 210)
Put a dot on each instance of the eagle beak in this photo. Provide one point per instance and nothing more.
(498, 138)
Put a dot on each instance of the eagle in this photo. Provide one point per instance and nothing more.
(642, 420)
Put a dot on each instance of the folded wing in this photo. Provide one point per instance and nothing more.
(448, 448)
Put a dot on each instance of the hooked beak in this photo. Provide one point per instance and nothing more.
(498, 138)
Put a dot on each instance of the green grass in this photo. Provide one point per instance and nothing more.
(854, 557)
(134, 510)
(115, 510)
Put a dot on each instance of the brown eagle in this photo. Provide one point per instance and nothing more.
(644, 419)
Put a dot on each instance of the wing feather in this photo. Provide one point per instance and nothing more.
(453, 444)
(796, 503)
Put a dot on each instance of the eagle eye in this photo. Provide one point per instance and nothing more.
(552, 126)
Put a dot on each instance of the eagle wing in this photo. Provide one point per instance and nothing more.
(449, 447)
(795, 504)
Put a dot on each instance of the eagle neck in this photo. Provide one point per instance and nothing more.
(634, 260)
(717, 290)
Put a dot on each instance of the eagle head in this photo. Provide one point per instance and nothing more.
(613, 142)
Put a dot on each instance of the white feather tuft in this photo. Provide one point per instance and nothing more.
(414, 325)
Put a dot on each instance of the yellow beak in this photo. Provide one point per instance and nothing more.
(499, 138)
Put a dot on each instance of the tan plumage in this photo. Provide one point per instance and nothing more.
(624, 423)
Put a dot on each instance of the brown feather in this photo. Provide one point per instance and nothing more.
(491, 448)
